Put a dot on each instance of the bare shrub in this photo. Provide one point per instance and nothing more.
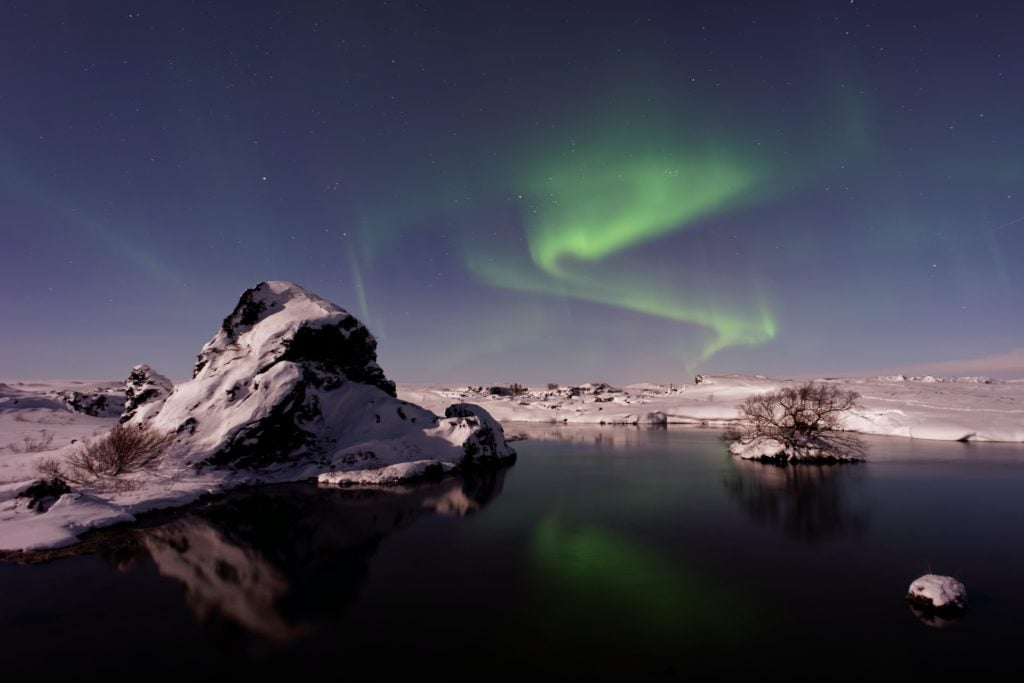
(124, 449)
(517, 389)
(30, 444)
(805, 420)
(552, 386)
(51, 468)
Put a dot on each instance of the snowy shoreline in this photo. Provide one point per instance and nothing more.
(37, 421)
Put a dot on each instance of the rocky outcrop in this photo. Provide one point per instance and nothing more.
(144, 387)
(43, 493)
(97, 404)
(292, 380)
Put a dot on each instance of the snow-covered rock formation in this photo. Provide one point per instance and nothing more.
(144, 387)
(937, 601)
(291, 379)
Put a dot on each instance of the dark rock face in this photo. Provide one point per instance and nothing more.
(347, 349)
(44, 492)
(143, 386)
(248, 311)
(280, 434)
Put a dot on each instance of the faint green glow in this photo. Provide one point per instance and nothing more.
(604, 580)
(87, 222)
(490, 331)
(727, 327)
(360, 287)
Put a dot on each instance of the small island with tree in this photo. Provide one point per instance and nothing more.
(797, 424)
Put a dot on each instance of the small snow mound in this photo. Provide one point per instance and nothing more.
(940, 593)
(385, 476)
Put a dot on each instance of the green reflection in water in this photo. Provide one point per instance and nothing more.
(597, 581)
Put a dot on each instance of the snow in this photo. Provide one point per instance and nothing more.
(948, 409)
(59, 526)
(939, 592)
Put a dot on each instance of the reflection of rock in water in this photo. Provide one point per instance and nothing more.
(932, 619)
(807, 501)
(624, 437)
(220, 577)
(272, 560)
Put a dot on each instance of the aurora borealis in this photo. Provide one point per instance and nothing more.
(536, 192)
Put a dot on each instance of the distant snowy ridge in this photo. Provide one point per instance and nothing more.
(949, 409)
(288, 389)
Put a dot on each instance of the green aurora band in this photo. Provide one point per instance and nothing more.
(588, 208)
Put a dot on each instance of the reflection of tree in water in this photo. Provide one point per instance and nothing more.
(275, 560)
(808, 501)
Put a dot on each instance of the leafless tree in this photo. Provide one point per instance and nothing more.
(806, 418)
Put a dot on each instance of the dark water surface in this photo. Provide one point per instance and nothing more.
(648, 554)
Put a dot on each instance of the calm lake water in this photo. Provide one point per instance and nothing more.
(649, 554)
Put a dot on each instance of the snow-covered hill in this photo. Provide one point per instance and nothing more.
(288, 389)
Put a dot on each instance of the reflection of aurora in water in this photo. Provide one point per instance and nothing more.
(603, 581)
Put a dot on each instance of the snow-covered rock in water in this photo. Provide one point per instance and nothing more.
(938, 593)
(391, 474)
(816, 449)
(144, 388)
(291, 379)
(485, 440)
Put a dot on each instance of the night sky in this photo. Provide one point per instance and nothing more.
(520, 191)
